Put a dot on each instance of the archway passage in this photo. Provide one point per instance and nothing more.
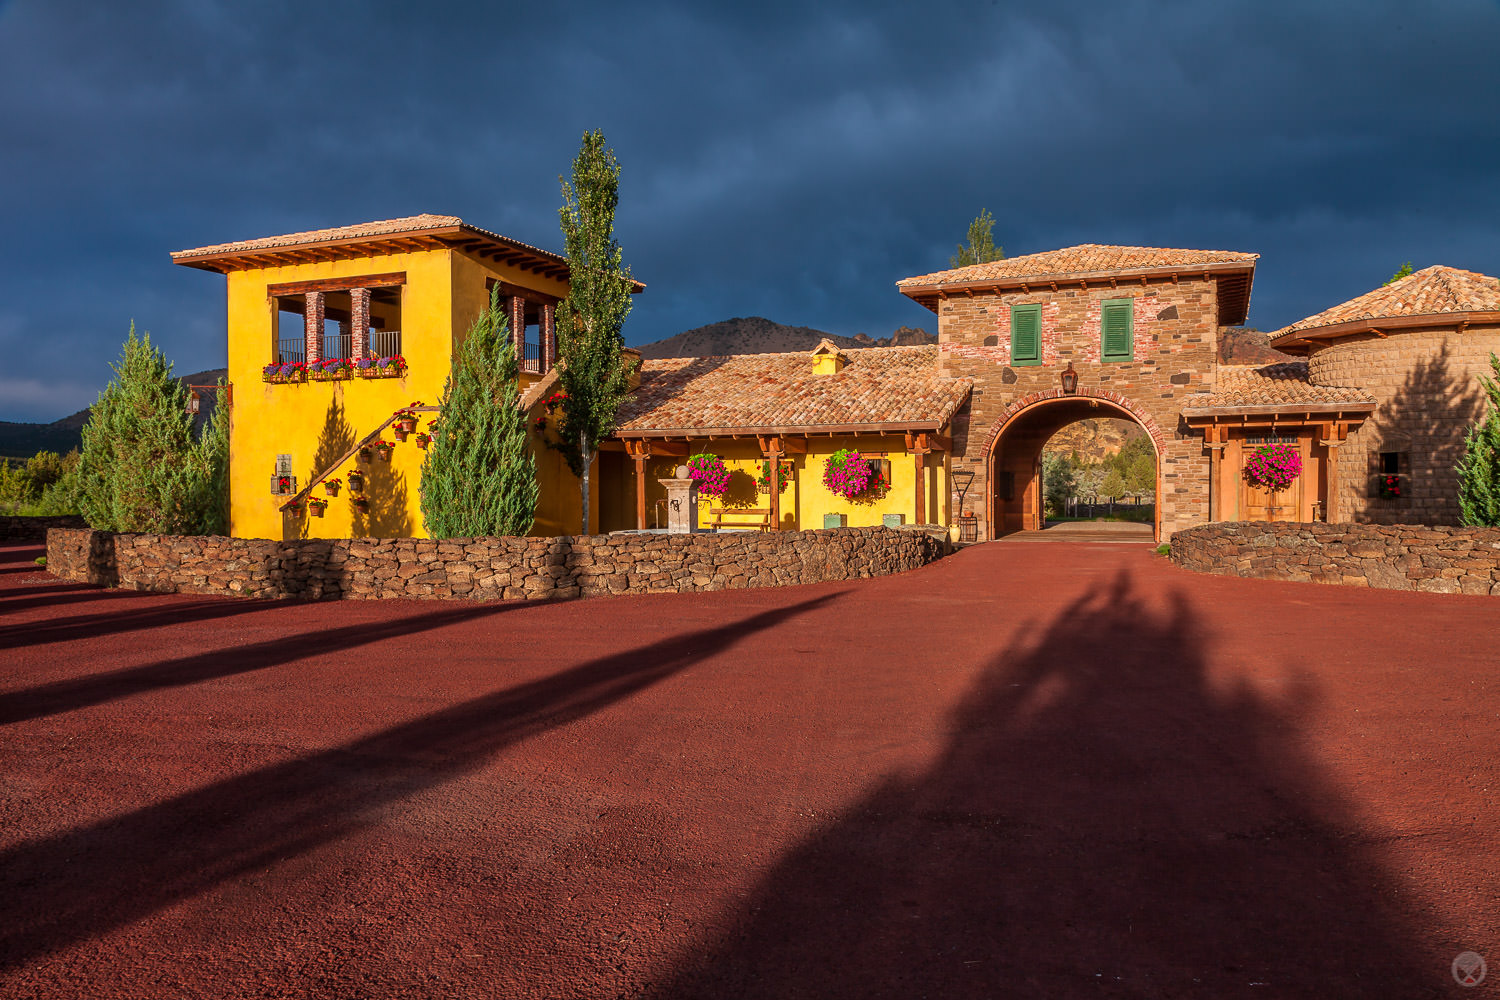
(1015, 461)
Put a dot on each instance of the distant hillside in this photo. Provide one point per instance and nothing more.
(1245, 345)
(756, 335)
(22, 440)
(1095, 439)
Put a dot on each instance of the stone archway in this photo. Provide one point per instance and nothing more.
(1014, 447)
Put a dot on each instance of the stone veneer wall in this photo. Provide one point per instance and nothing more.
(1425, 382)
(34, 529)
(1176, 344)
(484, 568)
(1390, 557)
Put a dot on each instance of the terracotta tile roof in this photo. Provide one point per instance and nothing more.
(1283, 385)
(1088, 258)
(1431, 291)
(878, 385)
(384, 227)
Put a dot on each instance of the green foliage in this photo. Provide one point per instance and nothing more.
(140, 468)
(1479, 469)
(1401, 272)
(981, 248)
(1058, 482)
(479, 476)
(1164, 549)
(594, 374)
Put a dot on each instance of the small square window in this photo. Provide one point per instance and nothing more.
(1390, 463)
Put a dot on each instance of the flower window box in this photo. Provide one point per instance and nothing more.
(388, 367)
(284, 374)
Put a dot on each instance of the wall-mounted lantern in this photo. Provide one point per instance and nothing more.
(1069, 379)
(195, 397)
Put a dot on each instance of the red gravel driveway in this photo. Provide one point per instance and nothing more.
(1027, 770)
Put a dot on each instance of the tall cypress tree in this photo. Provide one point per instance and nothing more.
(1479, 469)
(593, 373)
(479, 476)
(140, 467)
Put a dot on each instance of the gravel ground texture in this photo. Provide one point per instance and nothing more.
(1027, 770)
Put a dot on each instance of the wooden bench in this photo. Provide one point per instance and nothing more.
(741, 517)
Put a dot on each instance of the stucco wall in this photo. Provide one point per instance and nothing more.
(484, 568)
(1444, 560)
(1176, 337)
(1425, 383)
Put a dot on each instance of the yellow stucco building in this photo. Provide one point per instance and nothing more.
(332, 333)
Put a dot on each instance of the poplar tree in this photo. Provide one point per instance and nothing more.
(1479, 469)
(593, 373)
(140, 468)
(479, 476)
(981, 248)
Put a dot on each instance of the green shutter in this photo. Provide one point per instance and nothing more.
(1118, 333)
(1025, 335)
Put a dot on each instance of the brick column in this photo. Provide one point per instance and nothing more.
(313, 326)
(518, 328)
(359, 322)
(549, 337)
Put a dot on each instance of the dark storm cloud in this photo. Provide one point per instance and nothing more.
(791, 161)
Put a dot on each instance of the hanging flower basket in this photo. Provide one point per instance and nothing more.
(710, 473)
(360, 504)
(383, 450)
(357, 482)
(331, 486)
(1390, 487)
(848, 474)
(1273, 467)
(398, 432)
(423, 440)
(284, 374)
(316, 507)
(784, 474)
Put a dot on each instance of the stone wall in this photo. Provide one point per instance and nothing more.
(34, 529)
(1391, 557)
(1176, 340)
(484, 568)
(1425, 382)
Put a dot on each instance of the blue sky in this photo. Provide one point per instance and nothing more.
(784, 160)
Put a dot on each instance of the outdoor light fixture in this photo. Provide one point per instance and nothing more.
(1069, 380)
(193, 402)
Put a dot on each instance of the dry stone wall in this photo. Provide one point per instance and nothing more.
(1443, 560)
(34, 529)
(484, 568)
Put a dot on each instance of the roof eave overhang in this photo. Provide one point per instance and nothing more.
(463, 237)
(1302, 341)
(929, 295)
(785, 430)
(1279, 410)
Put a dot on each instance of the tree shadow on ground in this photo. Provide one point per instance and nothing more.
(94, 689)
(1425, 423)
(156, 615)
(75, 885)
(1105, 820)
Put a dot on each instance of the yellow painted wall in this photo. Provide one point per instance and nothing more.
(315, 422)
(806, 499)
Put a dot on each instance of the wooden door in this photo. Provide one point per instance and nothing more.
(1258, 504)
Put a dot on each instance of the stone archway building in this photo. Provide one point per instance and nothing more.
(1137, 326)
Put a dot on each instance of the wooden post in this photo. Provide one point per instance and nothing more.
(1214, 436)
(1333, 436)
(919, 445)
(775, 492)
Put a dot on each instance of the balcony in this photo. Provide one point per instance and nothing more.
(531, 358)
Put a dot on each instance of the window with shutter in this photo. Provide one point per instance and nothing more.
(1118, 333)
(1026, 335)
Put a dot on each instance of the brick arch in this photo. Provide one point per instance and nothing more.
(1025, 404)
(1035, 399)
